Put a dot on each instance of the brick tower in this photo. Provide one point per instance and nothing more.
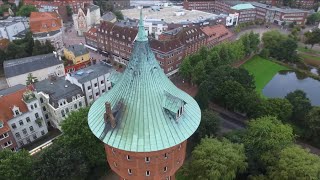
(144, 120)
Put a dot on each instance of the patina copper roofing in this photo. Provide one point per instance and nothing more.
(143, 103)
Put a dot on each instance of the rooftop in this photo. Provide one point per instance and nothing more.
(45, 22)
(168, 14)
(243, 6)
(109, 16)
(58, 88)
(91, 72)
(12, 89)
(28, 64)
(144, 102)
(78, 50)
(274, 8)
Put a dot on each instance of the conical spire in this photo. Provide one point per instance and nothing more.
(141, 33)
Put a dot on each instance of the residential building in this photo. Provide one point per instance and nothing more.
(155, 27)
(300, 4)
(12, 26)
(86, 17)
(77, 53)
(93, 81)
(58, 98)
(109, 17)
(21, 112)
(47, 26)
(216, 34)
(201, 5)
(91, 38)
(16, 71)
(144, 121)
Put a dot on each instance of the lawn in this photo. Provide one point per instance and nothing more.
(263, 71)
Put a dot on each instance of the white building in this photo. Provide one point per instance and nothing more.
(27, 123)
(58, 98)
(93, 80)
(42, 66)
(12, 26)
(155, 26)
(86, 18)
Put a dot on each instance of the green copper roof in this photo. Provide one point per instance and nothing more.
(243, 6)
(143, 102)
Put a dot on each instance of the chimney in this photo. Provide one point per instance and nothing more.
(108, 116)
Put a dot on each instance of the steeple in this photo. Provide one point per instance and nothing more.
(141, 33)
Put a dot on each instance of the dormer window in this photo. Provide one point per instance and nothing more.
(1, 124)
(174, 106)
(16, 111)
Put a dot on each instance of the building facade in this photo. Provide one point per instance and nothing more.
(142, 119)
(47, 26)
(42, 66)
(93, 81)
(86, 17)
(77, 54)
(24, 116)
(12, 26)
(58, 98)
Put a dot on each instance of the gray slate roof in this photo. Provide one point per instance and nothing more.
(91, 72)
(12, 89)
(58, 89)
(109, 16)
(78, 50)
(25, 65)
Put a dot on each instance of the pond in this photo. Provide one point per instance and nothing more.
(288, 81)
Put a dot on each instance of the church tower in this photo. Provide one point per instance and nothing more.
(144, 120)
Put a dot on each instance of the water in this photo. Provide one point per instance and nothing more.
(287, 81)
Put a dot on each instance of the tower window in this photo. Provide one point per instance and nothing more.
(165, 169)
(165, 155)
(113, 151)
(129, 171)
(147, 159)
(128, 157)
(147, 173)
(179, 147)
(115, 164)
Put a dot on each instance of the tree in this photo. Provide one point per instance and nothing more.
(264, 138)
(213, 159)
(280, 108)
(185, 68)
(119, 15)
(26, 10)
(254, 41)
(312, 123)
(48, 47)
(202, 97)
(199, 74)
(295, 163)
(209, 125)
(312, 37)
(31, 79)
(78, 136)
(313, 18)
(301, 105)
(60, 162)
(15, 165)
(69, 11)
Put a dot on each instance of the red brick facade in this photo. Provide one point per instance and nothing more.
(158, 165)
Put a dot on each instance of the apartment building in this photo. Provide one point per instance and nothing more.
(58, 98)
(216, 34)
(22, 117)
(93, 81)
(12, 26)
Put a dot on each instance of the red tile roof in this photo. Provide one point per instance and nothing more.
(45, 22)
(7, 102)
(216, 31)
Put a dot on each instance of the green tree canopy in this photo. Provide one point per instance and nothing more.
(185, 68)
(312, 37)
(15, 165)
(215, 160)
(301, 105)
(312, 123)
(209, 125)
(26, 10)
(295, 163)
(265, 137)
(31, 79)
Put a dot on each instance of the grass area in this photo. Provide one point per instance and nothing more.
(302, 49)
(263, 71)
(307, 56)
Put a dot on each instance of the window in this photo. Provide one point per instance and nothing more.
(6, 144)
(165, 155)
(147, 173)
(102, 82)
(18, 135)
(28, 119)
(62, 113)
(47, 116)
(21, 143)
(165, 169)
(147, 159)
(4, 135)
(90, 97)
(103, 90)
(80, 104)
(42, 133)
(179, 147)
(95, 84)
(35, 105)
(28, 140)
(75, 106)
(17, 112)
(1, 124)
(44, 108)
(24, 131)
(97, 94)
(67, 110)
(34, 136)
(41, 100)
(31, 128)
(31, 107)
(109, 88)
(89, 88)
(36, 115)
(13, 126)
(129, 171)
(128, 157)
(115, 164)
(21, 122)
